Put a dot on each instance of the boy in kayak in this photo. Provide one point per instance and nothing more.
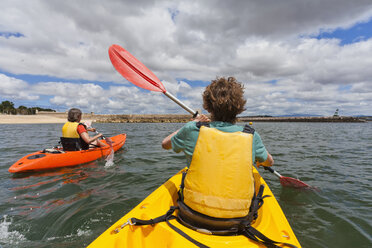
(224, 100)
(220, 154)
(75, 134)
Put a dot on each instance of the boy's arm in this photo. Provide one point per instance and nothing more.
(167, 143)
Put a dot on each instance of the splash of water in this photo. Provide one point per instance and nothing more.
(110, 157)
(9, 237)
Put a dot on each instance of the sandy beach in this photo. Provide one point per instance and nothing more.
(31, 119)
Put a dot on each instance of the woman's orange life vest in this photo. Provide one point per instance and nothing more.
(219, 182)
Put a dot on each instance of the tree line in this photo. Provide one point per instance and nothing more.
(7, 107)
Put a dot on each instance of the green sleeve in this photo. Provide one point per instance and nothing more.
(179, 141)
(259, 150)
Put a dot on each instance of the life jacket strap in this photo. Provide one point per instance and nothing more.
(182, 186)
(200, 124)
(253, 234)
(248, 129)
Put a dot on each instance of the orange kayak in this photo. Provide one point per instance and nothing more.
(54, 158)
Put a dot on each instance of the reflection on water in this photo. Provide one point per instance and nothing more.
(70, 207)
(66, 174)
(49, 182)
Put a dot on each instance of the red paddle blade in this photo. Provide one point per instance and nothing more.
(292, 182)
(133, 70)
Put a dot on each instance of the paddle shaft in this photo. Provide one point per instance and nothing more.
(180, 103)
(103, 137)
(273, 171)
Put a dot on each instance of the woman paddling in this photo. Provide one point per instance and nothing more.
(75, 134)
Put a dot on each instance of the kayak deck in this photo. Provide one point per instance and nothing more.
(271, 222)
(45, 160)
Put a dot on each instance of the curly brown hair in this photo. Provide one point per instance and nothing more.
(224, 99)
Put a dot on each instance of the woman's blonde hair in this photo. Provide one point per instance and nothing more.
(224, 99)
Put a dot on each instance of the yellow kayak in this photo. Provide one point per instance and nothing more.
(271, 222)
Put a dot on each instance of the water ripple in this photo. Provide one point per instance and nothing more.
(70, 207)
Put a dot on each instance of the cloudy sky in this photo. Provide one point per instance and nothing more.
(294, 57)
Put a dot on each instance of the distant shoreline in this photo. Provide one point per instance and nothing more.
(305, 119)
(52, 117)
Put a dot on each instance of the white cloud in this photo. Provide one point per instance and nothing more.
(12, 88)
(258, 42)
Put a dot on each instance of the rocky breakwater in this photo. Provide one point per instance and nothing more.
(143, 118)
(304, 119)
(185, 118)
(174, 118)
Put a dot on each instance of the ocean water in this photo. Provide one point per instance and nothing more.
(70, 207)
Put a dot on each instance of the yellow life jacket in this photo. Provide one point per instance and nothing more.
(69, 130)
(71, 140)
(219, 182)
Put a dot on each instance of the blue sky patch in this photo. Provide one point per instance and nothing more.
(7, 35)
(358, 32)
(34, 79)
(272, 82)
(42, 102)
(173, 12)
(291, 99)
(344, 88)
(195, 83)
